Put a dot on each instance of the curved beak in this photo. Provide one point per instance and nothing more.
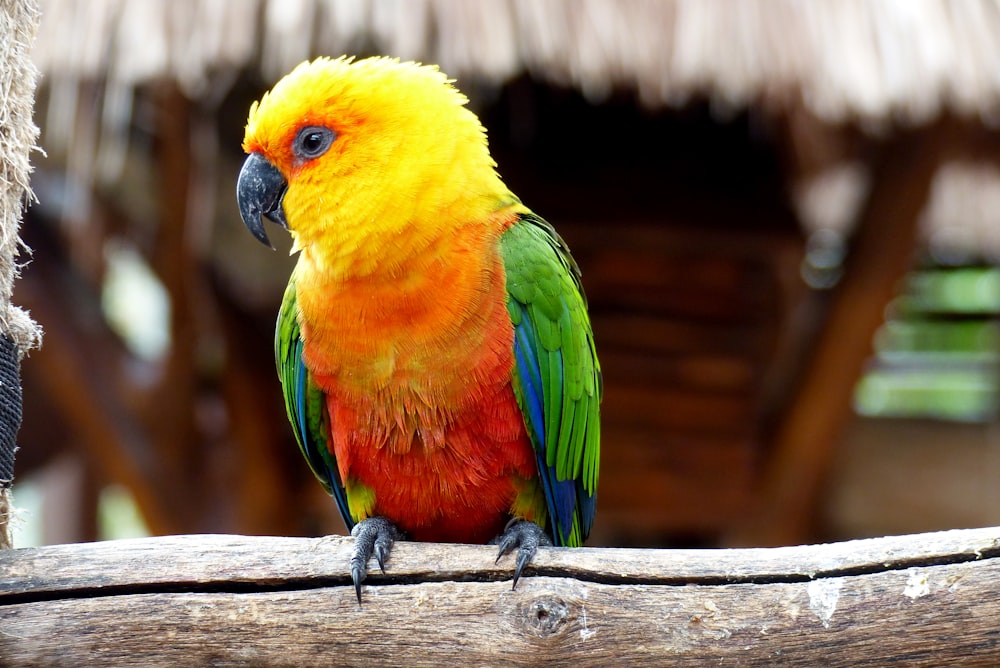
(260, 191)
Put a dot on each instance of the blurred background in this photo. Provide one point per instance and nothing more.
(786, 214)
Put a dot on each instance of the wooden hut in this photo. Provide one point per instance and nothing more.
(690, 151)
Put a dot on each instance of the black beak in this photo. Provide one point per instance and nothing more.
(260, 191)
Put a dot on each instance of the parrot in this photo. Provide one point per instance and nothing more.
(433, 344)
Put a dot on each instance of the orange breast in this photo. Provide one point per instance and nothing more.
(416, 365)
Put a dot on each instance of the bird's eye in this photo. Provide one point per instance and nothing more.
(313, 141)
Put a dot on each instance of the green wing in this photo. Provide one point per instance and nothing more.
(557, 378)
(304, 402)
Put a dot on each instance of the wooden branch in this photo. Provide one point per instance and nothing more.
(922, 600)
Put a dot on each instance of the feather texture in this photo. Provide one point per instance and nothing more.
(556, 378)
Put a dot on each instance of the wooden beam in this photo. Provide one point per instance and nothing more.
(923, 600)
(175, 438)
(881, 253)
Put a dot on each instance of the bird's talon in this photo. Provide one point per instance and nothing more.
(526, 537)
(374, 536)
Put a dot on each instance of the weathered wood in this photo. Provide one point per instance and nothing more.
(919, 600)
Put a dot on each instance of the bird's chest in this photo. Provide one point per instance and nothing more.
(424, 336)
(439, 475)
(417, 374)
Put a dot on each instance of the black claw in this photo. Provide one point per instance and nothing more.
(526, 537)
(506, 543)
(383, 545)
(373, 536)
(358, 575)
(524, 555)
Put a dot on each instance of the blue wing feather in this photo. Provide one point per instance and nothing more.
(560, 495)
(527, 365)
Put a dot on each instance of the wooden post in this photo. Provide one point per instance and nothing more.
(881, 254)
(922, 600)
(17, 138)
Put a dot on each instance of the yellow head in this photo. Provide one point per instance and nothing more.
(366, 157)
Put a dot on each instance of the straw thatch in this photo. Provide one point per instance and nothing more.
(845, 58)
(18, 133)
(874, 63)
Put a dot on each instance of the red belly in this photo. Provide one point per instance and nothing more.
(439, 477)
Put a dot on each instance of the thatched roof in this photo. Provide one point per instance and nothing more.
(845, 58)
(878, 63)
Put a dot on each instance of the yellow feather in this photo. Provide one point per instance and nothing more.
(397, 225)
(410, 163)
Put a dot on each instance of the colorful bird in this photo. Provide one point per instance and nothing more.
(433, 343)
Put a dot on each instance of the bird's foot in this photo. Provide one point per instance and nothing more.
(373, 536)
(526, 537)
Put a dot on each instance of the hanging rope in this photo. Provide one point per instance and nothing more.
(18, 334)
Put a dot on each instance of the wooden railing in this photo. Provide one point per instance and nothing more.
(920, 600)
